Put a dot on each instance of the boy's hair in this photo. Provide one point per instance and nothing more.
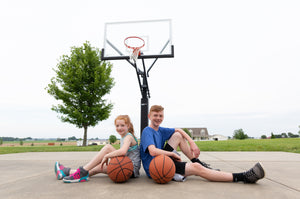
(156, 108)
(127, 121)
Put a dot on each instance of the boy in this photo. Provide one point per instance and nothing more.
(153, 143)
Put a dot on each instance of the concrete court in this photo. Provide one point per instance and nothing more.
(31, 175)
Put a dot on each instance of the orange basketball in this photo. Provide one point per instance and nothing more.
(120, 169)
(162, 169)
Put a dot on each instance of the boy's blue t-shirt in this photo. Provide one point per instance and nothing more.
(156, 138)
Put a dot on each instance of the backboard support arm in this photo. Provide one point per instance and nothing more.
(142, 78)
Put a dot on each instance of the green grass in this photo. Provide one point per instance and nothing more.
(32, 141)
(23, 149)
(284, 144)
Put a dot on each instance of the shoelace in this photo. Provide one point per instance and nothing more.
(205, 165)
(250, 174)
(76, 175)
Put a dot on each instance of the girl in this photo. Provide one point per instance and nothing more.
(129, 147)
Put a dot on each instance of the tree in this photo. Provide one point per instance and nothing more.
(239, 134)
(272, 136)
(112, 139)
(263, 137)
(291, 135)
(81, 82)
(187, 132)
(72, 138)
(284, 135)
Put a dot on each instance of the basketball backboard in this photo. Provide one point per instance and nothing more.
(157, 35)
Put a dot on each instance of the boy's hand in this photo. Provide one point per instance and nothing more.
(176, 157)
(195, 150)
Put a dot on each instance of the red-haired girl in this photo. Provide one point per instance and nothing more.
(129, 147)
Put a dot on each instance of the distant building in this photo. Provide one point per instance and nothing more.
(98, 142)
(217, 137)
(93, 142)
(198, 133)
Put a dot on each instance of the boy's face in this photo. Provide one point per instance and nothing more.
(156, 118)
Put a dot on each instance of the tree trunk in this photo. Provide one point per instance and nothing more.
(85, 136)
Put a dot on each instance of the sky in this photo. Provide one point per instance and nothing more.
(236, 64)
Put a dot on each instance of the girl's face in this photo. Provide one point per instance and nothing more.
(121, 127)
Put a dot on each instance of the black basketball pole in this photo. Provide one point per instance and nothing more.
(145, 95)
(144, 113)
(144, 100)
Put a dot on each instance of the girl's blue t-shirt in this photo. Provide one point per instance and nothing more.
(156, 138)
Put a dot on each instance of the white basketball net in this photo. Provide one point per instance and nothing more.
(134, 45)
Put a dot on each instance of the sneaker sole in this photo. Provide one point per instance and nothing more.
(262, 169)
(58, 172)
(60, 175)
(84, 179)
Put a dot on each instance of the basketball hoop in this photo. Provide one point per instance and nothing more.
(134, 45)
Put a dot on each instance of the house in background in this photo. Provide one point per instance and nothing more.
(98, 142)
(202, 134)
(217, 137)
(198, 133)
(93, 142)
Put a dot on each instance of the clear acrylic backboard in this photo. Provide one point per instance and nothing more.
(157, 35)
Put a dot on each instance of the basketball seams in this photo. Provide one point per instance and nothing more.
(170, 171)
(162, 169)
(118, 163)
(120, 169)
(159, 176)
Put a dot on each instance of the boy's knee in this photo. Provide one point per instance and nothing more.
(177, 135)
(175, 140)
(194, 169)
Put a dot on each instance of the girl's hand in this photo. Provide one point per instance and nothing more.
(104, 161)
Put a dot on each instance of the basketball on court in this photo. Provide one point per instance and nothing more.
(162, 169)
(120, 169)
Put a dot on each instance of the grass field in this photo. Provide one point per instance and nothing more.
(284, 144)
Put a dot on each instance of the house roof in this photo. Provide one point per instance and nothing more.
(197, 132)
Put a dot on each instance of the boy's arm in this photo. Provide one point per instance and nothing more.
(194, 148)
(155, 152)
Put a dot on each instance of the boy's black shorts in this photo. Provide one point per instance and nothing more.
(180, 166)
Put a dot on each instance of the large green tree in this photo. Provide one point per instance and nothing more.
(239, 134)
(112, 139)
(81, 82)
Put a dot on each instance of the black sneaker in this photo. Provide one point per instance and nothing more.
(207, 165)
(254, 174)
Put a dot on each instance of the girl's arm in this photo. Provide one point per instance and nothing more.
(122, 151)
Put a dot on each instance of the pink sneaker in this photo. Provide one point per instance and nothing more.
(81, 175)
(61, 171)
